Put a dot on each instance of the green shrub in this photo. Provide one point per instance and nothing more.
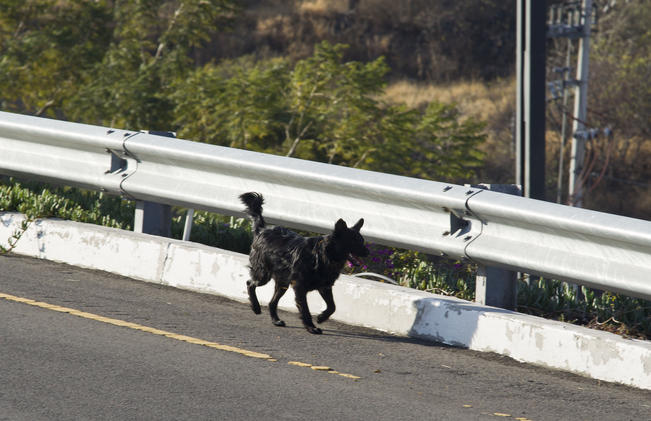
(558, 300)
(216, 230)
(39, 200)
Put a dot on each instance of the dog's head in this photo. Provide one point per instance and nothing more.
(348, 241)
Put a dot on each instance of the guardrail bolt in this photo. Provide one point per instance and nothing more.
(469, 192)
(109, 131)
(467, 238)
(446, 188)
(446, 233)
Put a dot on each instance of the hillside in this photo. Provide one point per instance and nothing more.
(420, 39)
(463, 52)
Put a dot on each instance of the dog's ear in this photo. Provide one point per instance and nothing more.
(358, 225)
(340, 225)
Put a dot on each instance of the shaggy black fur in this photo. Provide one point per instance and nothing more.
(305, 263)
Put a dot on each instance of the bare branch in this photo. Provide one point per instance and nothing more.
(44, 108)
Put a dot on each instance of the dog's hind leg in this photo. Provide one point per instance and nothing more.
(279, 291)
(326, 294)
(301, 302)
(259, 277)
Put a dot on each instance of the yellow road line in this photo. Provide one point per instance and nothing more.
(171, 335)
(323, 368)
(135, 326)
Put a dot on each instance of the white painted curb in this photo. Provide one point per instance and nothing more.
(393, 309)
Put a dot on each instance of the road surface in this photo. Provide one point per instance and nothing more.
(77, 344)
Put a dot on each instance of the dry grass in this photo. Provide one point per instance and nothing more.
(325, 6)
(477, 99)
(270, 8)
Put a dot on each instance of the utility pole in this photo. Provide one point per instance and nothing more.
(530, 101)
(573, 20)
(575, 195)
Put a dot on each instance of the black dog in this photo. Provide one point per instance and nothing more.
(305, 263)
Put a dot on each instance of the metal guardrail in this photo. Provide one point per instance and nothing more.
(591, 248)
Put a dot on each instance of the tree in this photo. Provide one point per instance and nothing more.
(434, 144)
(620, 98)
(237, 103)
(621, 59)
(128, 64)
(149, 50)
(332, 106)
(103, 62)
(327, 110)
(46, 49)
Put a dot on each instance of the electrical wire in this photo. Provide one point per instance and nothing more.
(591, 157)
(609, 149)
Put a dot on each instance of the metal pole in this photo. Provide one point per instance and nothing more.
(561, 154)
(519, 95)
(580, 108)
(530, 127)
(188, 225)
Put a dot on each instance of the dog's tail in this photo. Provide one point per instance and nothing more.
(253, 202)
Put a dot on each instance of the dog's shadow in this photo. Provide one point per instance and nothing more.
(381, 337)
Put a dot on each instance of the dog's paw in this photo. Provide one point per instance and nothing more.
(322, 318)
(314, 330)
(256, 308)
(279, 323)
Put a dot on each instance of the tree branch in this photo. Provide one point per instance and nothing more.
(44, 108)
(363, 157)
(298, 138)
(162, 45)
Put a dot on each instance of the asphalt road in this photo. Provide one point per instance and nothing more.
(191, 356)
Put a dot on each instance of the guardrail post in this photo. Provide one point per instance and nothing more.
(494, 286)
(153, 218)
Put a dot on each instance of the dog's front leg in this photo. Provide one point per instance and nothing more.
(301, 302)
(326, 294)
(279, 291)
(253, 298)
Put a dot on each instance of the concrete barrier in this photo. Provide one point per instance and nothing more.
(396, 310)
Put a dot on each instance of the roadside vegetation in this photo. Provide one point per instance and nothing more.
(442, 110)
